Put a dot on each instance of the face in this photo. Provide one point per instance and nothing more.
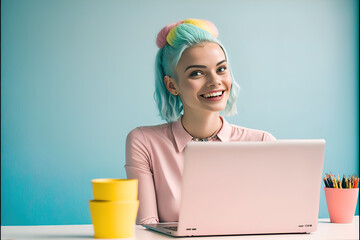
(203, 79)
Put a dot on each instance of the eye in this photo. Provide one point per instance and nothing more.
(222, 69)
(196, 73)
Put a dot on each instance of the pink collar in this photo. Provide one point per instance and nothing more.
(182, 137)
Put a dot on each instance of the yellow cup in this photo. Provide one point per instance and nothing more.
(115, 189)
(113, 219)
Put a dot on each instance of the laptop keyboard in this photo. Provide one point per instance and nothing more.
(172, 228)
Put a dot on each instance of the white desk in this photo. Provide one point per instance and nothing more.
(326, 230)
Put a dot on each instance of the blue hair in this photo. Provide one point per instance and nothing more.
(186, 35)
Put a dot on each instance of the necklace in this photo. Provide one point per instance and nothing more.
(213, 137)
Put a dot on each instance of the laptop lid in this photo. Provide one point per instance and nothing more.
(251, 187)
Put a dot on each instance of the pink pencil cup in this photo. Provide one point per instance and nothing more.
(341, 204)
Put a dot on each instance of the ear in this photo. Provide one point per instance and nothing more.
(170, 85)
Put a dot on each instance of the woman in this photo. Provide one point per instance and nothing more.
(193, 85)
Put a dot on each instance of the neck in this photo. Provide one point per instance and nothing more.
(201, 125)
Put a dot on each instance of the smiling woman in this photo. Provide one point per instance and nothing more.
(194, 84)
(203, 85)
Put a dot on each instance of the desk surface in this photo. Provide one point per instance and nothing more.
(326, 230)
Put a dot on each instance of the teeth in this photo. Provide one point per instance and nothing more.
(214, 94)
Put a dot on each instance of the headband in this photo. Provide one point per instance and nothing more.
(167, 34)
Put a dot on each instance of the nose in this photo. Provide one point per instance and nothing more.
(213, 80)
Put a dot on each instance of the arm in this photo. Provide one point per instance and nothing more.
(139, 166)
(268, 137)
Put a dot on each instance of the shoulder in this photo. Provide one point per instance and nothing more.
(145, 132)
(240, 133)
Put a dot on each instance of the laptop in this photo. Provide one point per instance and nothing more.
(238, 188)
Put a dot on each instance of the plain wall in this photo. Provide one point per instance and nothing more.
(77, 76)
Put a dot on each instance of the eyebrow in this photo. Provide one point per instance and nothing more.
(203, 66)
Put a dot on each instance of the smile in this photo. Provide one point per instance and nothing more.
(213, 94)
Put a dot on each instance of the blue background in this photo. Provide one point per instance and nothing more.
(77, 76)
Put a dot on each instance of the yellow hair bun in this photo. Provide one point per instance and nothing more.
(167, 34)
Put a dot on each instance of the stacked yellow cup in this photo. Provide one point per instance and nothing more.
(114, 208)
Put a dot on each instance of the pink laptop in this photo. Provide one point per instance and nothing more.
(239, 188)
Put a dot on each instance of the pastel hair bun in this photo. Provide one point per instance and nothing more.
(167, 33)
